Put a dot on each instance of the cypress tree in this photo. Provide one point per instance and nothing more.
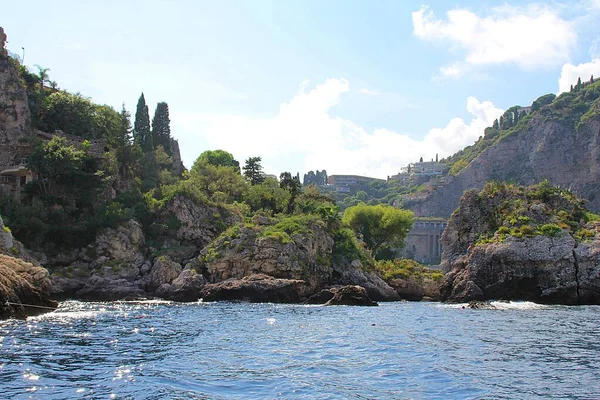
(578, 84)
(123, 142)
(592, 79)
(161, 128)
(141, 127)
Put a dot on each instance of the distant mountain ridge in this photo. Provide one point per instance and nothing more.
(558, 142)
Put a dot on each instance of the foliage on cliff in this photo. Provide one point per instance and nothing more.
(407, 269)
(540, 209)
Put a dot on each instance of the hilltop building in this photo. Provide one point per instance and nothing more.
(345, 183)
(424, 168)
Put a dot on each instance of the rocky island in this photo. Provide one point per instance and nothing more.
(535, 243)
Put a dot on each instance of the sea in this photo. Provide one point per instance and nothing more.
(229, 350)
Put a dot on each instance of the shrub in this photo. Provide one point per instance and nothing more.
(549, 230)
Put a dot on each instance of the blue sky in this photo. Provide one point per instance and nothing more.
(348, 86)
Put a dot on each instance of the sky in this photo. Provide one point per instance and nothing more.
(352, 87)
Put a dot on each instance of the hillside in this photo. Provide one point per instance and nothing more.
(556, 141)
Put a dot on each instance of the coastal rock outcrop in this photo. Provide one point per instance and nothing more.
(306, 255)
(24, 289)
(256, 288)
(351, 295)
(521, 244)
(114, 267)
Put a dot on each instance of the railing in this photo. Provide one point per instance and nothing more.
(7, 179)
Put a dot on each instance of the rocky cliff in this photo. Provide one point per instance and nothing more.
(536, 244)
(306, 254)
(554, 144)
(247, 261)
(24, 287)
(15, 120)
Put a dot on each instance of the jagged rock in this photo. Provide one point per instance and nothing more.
(322, 297)
(307, 257)
(539, 268)
(351, 295)
(407, 289)
(354, 274)
(163, 271)
(256, 288)
(425, 289)
(197, 221)
(22, 283)
(15, 120)
(122, 244)
(186, 287)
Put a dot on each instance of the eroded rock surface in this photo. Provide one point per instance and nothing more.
(24, 289)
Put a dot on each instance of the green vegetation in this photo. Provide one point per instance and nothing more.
(381, 227)
(540, 209)
(407, 269)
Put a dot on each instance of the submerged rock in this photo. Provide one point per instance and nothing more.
(351, 295)
(481, 305)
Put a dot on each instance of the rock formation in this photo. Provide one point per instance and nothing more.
(307, 256)
(542, 261)
(21, 282)
(15, 120)
(351, 295)
(256, 288)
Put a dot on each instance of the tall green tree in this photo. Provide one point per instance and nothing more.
(382, 227)
(142, 135)
(217, 158)
(292, 185)
(161, 128)
(122, 142)
(253, 170)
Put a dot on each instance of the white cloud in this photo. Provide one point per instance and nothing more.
(368, 92)
(304, 135)
(570, 73)
(529, 37)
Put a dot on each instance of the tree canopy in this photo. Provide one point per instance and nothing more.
(216, 158)
(253, 170)
(381, 226)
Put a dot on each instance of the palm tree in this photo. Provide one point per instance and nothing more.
(42, 76)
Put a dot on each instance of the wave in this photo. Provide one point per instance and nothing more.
(502, 305)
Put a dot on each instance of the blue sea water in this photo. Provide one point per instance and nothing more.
(158, 350)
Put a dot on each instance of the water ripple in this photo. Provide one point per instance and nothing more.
(155, 350)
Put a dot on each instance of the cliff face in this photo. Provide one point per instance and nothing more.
(15, 120)
(490, 254)
(307, 256)
(546, 149)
